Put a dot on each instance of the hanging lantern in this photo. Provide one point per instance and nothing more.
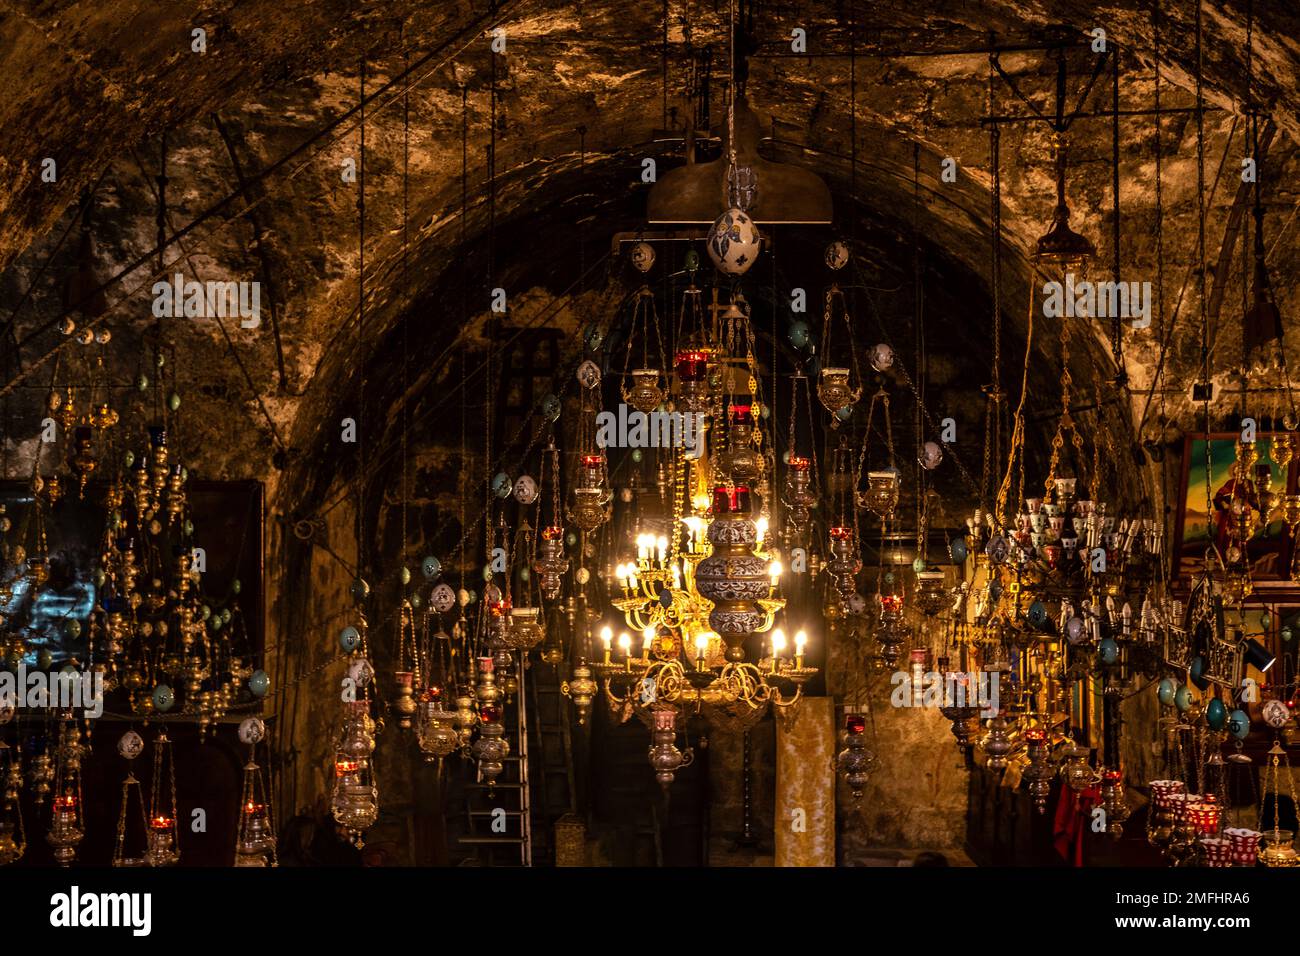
(1038, 775)
(435, 728)
(67, 824)
(355, 802)
(491, 748)
(13, 837)
(581, 688)
(799, 496)
(255, 833)
(665, 758)
(163, 847)
(551, 563)
(854, 761)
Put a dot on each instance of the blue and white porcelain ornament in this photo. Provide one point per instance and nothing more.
(734, 242)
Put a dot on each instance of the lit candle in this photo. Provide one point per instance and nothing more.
(648, 639)
(662, 548)
(778, 647)
(761, 525)
(161, 823)
(701, 649)
(607, 638)
(774, 572)
(800, 639)
(677, 578)
(625, 643)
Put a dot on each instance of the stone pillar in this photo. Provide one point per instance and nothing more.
(805, 785)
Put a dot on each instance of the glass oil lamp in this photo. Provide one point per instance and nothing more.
(13, 838)
(844, 562)
(799, 496)
(466, 719)
(665, 757)
(162, 847)
(740, 460)
(1038, 775)
(854, 761)
(255, 833)
(491, 748)
(1113, 801)
(692, 367)
(67, 823)
(355, 802)
(591, 499)
(551, 564)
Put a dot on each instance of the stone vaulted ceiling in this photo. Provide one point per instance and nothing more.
(271, 105)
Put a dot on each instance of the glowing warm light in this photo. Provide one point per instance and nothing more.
(606, 637)
(800, 641)
(778, 642)
(774, 572)
(648, 638)
(625, 642)
(345, 767)
(761, 525)
(161, 823)
(702, 642)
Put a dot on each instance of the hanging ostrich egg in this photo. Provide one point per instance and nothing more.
(643, 256)
(931, 455)
(733, 242)
(882, 357)
(525, 490)
(837, 256)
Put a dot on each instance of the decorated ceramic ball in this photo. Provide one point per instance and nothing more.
(502, 485)
(361, 672)
(163, 698)
(837, 256)
(642, 256)
(799, 334)
(1108, 650)
(525, 490)
(1239, 724)
(733, 242)
(691, 261)
(349, 638)
(1165, 691)
(931, 455)
(251, 730)
(551, 407)
(1183, 697)
(430, 567)
(1216, 715)
(131, 745)
(259, 683)
(882, 357)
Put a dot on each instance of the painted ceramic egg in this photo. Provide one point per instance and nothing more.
(837, 256)
(733, 242)
(642, 256)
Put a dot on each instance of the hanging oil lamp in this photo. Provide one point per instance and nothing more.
(854, 762)
(1038, 775)
(665, 757)
(835, 388)
(355, 800)
(581, 688)
(491, 748)
(130, 746)
(255, 833)
(67, 825)
(740, 460)
(435, 726)
(13, 837)
(997, 744)
(404, 705)
(645, 392)
(1114, 802)
(591, 498)
(163, 832)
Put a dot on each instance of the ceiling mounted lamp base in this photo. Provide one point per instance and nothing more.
(785, 195)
